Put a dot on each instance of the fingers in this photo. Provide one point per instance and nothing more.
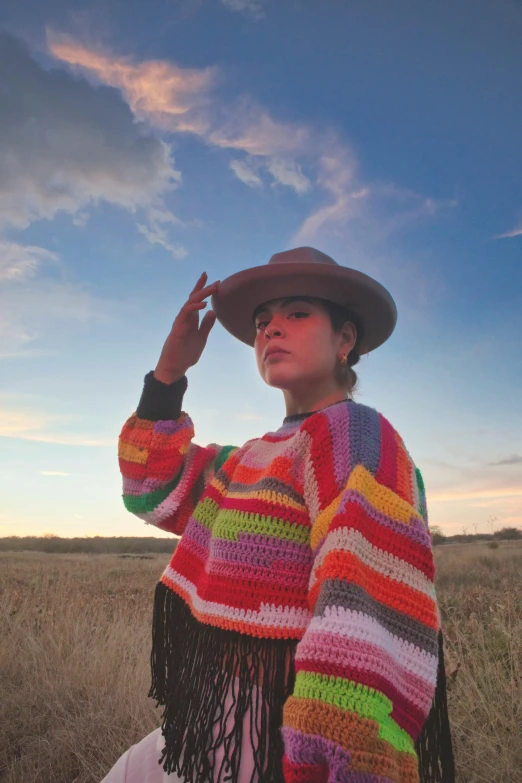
(195, 301)
(207, 323)
(200, 282)
(201, 291)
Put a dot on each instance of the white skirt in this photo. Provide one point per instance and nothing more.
(140, 763)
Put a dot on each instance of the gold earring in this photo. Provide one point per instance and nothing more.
(344, 359)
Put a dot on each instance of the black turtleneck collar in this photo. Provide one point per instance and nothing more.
(302, 416)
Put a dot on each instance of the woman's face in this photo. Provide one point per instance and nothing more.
(309, 347)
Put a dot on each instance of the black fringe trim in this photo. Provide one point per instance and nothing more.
(194, 666)
(193, 669)
(434, 747)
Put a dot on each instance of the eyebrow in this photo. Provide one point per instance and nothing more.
(289, 300)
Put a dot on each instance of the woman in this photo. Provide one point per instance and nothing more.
(296, 631)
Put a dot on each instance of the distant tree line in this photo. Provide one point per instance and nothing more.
(99, 545)
(505, 534)
(129, 545)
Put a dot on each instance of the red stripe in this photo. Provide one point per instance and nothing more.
(187, 564)
(269, 438)
(304, 773)
(133, 470)
(347, 567)
(266, 508)
(321, 456)
(240, 594)
(164, 464)
(230, 465)
(214, 494)
(355, 517)
(387, 470)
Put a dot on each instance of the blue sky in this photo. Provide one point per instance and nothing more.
(141, 144)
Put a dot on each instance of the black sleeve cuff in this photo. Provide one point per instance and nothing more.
(161, 400)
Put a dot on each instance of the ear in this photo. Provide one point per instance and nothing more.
(349, 336)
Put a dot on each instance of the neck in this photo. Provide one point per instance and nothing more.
(312, 399)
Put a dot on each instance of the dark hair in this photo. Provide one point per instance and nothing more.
(345, 375)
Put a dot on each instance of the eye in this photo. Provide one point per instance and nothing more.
(260, 325)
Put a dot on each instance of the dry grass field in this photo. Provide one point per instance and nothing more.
(74, 650)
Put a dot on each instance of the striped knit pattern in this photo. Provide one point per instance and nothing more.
(317, 532)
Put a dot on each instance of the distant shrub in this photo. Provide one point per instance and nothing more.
(437, 536)
(508, 534)
(493, 545)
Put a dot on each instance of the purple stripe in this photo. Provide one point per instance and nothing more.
(191, 545)
(304, 748)
(198, 533)
(171, 427)
(339, 424)
(141, 487)
(277, 577)
(265, 549)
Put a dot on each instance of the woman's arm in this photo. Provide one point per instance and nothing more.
(164, 473)
(366, 667)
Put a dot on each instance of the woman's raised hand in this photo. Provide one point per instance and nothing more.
(187, 339)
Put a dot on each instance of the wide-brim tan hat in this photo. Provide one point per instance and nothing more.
(305, 271)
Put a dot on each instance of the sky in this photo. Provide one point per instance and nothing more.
(144, 143)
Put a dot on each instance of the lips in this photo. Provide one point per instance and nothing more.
(272, 351)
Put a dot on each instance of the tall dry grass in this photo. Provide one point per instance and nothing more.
(74, 648)
(74, 652)
(480, 595)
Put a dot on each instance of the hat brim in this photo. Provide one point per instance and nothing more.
(239, 294)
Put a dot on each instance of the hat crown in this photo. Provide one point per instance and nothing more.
(302, 255)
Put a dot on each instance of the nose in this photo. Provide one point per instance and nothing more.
(273, 330)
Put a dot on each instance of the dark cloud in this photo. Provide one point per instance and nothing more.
(515, 459)
(65, 143)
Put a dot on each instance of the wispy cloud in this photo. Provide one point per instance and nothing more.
(34, 300)
(310, 161)
(29, 425)
(181, 100)
(156, 233)
(289, 173)
(253, 8)
(245, 174)
(515, 459)
(245, 125)
(21, 262)
(66, 145)
(515, 232)
(494, 493)
(169, 97)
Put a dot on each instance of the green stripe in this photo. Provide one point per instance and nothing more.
(422, 494)
(420, 482)
(229, 523)
(205, 512)
(223, 456)
(361, 699)
(144, 504)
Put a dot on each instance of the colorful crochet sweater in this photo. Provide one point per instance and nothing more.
(305, 566)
